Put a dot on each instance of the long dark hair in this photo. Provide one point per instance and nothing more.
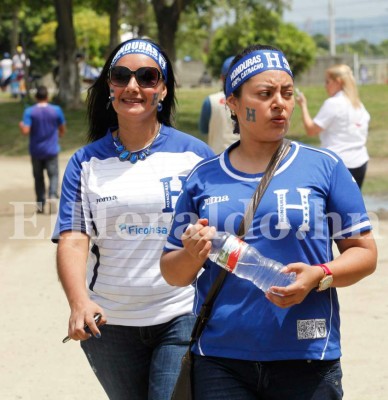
(100, 118)
(237, 92)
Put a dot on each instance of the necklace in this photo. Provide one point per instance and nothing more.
(133, 156)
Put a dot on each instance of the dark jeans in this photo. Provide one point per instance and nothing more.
(139, 363)
(218, 378)
(38, 167)
(359, 174)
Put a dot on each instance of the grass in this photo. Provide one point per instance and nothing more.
(374, 97)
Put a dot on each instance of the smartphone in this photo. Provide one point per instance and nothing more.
(97, 318)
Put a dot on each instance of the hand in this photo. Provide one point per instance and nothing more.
(301, 99)
(197, 239)
(84, 314)
(307, 279)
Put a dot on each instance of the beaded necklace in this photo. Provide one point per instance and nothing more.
(133, 156)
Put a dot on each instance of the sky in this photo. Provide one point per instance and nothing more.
(354, 19)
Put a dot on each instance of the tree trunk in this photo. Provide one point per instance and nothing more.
(14, 37)
(69, 82)
(167, 15)
(114, 17)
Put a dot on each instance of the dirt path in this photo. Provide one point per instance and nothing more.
(35, 365)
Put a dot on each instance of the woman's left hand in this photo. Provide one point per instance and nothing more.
(307, 279)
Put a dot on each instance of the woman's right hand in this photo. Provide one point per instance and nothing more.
(196, 239)
(83, 314)
(300, 98)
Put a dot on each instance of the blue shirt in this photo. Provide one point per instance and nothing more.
(44, 121)
(311, 200)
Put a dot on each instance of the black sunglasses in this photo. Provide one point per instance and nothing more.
(146, 77)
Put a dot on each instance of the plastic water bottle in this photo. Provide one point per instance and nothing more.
(237, 257)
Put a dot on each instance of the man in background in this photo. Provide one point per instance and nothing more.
(215, 118)
(44, 123)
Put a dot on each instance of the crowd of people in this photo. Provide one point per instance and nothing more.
(142, 201)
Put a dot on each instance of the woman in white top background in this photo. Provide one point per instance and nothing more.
(342, 122)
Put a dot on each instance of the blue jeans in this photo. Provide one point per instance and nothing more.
(139, 363)
(218, 378)
(38, 167)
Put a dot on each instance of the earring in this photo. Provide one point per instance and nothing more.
(110, 99)
(160, 106)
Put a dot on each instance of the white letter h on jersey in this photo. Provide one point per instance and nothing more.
(283, 207)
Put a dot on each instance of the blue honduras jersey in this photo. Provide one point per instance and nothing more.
(311, 200)
(126, 209)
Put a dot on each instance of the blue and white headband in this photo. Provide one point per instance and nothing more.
(252, 64)
(142, 47)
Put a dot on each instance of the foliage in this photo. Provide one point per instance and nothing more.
(192, 37)
(361, 47)
(92, 36)
(266, 27)
(298, 47)
(139, 18)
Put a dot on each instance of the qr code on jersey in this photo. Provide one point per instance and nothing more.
(311, 329)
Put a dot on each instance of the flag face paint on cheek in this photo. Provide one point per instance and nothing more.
(251, 114)
(154, 99)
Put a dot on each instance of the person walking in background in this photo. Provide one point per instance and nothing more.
(215, 118)
(285, 343)
(44, 123)
(342, 122)
(21, 64)
(6, 71)
(117, 199)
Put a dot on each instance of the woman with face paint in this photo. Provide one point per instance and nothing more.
(118, 196)
(283, 344)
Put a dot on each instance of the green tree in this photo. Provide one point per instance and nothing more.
(266, 27)
(92, 35)
(384, 47)
(167, 14)
(112, 8)
(322, 43)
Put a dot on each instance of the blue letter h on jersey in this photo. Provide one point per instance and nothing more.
(168, 193)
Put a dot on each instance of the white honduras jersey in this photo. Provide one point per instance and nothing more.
(311, 200)
(126, 210)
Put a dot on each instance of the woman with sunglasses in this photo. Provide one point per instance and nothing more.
(117, 200)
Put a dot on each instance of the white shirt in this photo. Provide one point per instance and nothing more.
(126, 210)
(6, 66)
(221, 134)
(345, 129)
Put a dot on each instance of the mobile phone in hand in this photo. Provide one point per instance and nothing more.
(97, 318)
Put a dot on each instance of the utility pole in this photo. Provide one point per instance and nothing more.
(332, 27)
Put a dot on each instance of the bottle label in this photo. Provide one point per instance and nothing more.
(230, 252)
